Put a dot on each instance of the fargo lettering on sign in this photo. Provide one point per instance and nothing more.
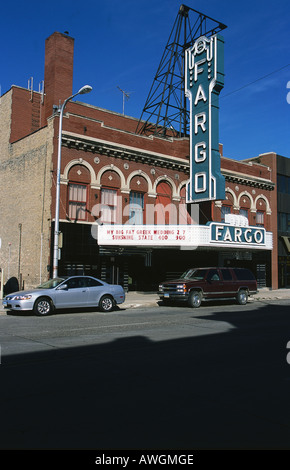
(237, 235)
(204, 79)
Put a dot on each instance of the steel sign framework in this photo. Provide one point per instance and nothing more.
(166, 112)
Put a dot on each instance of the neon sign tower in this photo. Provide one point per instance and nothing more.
(204, 80)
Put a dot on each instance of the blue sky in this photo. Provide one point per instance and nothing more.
(119, 43)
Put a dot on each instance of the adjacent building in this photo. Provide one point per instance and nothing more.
(123, 211)
(280, 167)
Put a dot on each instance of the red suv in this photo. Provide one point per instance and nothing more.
(198, 284)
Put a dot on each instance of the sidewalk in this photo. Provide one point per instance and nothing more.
(265, 293)
(136, 299)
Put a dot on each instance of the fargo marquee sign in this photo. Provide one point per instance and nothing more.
(204, 79)
(230, 234)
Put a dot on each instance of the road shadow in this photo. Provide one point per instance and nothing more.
(207, 303)
(208, 390)
(63, 311)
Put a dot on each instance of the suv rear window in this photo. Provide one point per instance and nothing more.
(227, 275)
(213, 275)
(244, 274)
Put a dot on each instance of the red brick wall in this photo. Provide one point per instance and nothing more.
(26, 113)
(112, 127)
(253, 169)
(58, 70)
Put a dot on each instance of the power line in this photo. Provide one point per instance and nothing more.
(255, 81)
(248, 84)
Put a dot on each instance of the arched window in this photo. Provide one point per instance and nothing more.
(77, 201)
(110, 202)
(136, 208)
(138, 189)
(109, 206)
(79, 178)
(245, 206)
(227, 206)
(261, 211)
(225, 209)
(163, 206)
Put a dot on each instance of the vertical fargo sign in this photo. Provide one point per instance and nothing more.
(204, 79)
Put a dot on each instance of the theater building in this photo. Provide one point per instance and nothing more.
(123, 211)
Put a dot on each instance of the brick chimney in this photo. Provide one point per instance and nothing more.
(58, 70)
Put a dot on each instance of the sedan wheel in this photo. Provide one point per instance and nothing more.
(106, 303)
(43, 307)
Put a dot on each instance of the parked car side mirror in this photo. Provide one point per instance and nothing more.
(63, 287)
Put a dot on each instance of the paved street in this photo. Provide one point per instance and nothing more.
(147, 378)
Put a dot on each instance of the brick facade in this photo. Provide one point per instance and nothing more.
(25, 203)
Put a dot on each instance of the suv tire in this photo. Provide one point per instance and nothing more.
(242, 297)
(194, 299)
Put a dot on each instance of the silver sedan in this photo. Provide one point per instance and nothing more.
(71, 292)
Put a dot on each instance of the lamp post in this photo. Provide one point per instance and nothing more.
(83, 90)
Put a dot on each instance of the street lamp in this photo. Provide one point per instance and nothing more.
(82, 91)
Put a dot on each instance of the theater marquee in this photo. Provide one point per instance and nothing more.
(204, 79)
(213, 235)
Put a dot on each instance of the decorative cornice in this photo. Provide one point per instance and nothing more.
(124, 152)
(253, 181)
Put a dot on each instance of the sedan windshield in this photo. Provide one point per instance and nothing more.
(51, 283)
(194, 274)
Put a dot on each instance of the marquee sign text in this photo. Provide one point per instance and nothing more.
(237, 235)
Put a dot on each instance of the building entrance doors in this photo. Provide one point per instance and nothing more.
(114, 271)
